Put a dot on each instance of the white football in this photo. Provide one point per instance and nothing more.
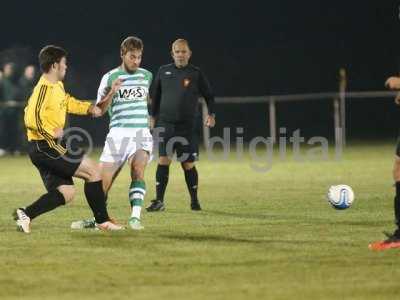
(340, 196)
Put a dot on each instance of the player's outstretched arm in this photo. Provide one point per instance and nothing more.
(107, 99)
(79, 107)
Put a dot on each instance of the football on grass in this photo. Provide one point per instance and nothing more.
(340, 196)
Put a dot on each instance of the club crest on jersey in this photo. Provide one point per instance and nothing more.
(135, 93)
(186, 82)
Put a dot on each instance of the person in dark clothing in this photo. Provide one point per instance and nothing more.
(393, 239)
(26, 83)
(9, 111)
(25, 86)
(175, 98)
(8, 87)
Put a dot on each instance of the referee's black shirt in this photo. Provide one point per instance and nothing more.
(176, 91)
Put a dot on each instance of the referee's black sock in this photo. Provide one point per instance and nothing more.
(96, 199)
(192, 180)
(162, 175)
(45, 203)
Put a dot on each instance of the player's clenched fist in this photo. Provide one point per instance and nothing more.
(95, 111)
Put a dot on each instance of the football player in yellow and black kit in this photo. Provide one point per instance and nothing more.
(45, 117)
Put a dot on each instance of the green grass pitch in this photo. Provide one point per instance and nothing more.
(260, 235)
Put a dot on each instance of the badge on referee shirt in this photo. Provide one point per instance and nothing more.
(186, 82)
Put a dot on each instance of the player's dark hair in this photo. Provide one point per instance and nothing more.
(50, 55)
(131, 43)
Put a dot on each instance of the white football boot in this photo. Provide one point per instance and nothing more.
(134, 223)
(23, 221)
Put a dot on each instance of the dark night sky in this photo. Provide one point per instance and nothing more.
(245, 47)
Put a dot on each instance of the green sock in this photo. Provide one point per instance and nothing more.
(137, 190)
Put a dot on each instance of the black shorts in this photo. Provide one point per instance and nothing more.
(54, 168)
(180, 138)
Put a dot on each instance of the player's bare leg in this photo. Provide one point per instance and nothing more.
(109, 172)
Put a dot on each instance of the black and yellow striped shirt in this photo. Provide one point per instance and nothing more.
(47, 109)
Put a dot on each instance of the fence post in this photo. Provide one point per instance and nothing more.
(272, 119)
(342, 95)
(336, 122)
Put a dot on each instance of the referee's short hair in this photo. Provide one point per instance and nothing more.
(131, 43)
(50, 55)
(180, 41)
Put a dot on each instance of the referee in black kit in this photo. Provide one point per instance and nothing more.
(175, 98)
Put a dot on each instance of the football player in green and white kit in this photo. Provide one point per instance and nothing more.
(123, 92)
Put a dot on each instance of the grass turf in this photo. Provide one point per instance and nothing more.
(265, 235)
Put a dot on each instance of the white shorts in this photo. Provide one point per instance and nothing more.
(122, 143)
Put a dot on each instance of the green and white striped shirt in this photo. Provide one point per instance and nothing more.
(128, 108)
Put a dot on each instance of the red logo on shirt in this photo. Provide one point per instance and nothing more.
(186, 82)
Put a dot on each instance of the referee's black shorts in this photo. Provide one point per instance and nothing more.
(54, 168)
(181, 138)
